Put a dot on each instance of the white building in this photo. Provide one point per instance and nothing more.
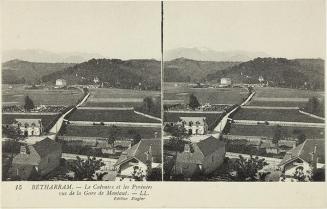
(61, 83)
(195, 125)
(29, 127)
(96, 80)
(226, 81)
(138, 158)
(307, 156)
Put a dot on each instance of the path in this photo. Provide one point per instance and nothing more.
(221, 125)
(55, 129)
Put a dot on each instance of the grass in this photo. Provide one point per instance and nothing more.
(174, 117)
(45, 119)
(286, 93)
(105, 131)
(277, 103)
(111, 97)
(121, 93)
(16, 95)
(207, 95)
(274, 115)
(113, 104)
(109, 116)
(268, 131)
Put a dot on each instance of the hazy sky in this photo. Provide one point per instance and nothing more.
(294, 29)
(113, 29)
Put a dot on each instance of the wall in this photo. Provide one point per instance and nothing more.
(50, 162)
(214, 160)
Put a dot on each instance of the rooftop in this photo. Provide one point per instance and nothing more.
(305, 150)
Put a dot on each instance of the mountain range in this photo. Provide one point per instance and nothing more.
(206, 54)
(38, 55)
(19, 71)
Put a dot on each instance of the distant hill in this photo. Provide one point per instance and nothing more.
(37, 55)
(113, 73)
(297, 73)
(205, 54)
(187, 70)
(19, 71)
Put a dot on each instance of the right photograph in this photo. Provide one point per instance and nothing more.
(243, 91)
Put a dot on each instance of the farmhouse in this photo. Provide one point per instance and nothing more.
(61, 83)
(139, 157)
(200, 158)
(29, 127)
(36, 160)
(225, 82)
(307, 156)
(195, 125)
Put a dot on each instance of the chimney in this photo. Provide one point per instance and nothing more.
(155, 135)
(23, 149)
(150, 150)
(187, 148)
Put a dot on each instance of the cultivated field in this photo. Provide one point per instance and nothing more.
(211, 118)
(16, 95)
(106, 131)
(45, 119)
(274, 92)
(268, 131)
(109, 116)
(274, 115)
(207, 95)
(277, 103)
(111, 97)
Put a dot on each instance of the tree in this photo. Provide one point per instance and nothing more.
(114, 132)
(154, 174)
(29, 105)
(85, 169)
(135, 136)
(300, 175)
(301, 138)
(148, 104)
(313, 105)
(138, 174)
(176, 131)
(247, 169)
(278, 135)
(194, 103)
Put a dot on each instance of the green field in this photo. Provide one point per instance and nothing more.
(274, 115)
(207, 95)
(106, 131)
(16, 95)
(109, 116)
(268, 131)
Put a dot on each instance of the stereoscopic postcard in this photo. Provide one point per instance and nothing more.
(169, 104)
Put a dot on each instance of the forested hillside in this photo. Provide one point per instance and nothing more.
(19, 71)
(297, 73)
(129, 74)
(187, 70)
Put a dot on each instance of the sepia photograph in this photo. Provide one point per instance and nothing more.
(243, 92)
(81, 91)
(149, 104)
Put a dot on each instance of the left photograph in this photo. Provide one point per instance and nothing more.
(81, 91)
